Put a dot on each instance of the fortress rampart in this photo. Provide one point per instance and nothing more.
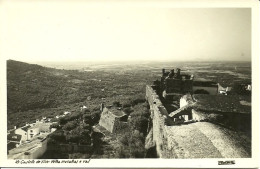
(159, 116)
(187, 132)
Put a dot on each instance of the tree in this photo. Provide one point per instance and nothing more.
(125, 105)
(70, 125)
(139, 123)
(116, 104)
(128, 110)
(79, 135)
(88, 119)
(58, 136)
(137, 101)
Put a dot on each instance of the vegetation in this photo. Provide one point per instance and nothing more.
(132, 142)
(131, 145)
(35, 91)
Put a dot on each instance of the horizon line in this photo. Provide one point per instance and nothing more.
(123, 61)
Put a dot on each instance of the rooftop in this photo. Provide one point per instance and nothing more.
(116, 111)
(14, 137)
(25, 128)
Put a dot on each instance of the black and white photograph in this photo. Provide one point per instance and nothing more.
(96, 80)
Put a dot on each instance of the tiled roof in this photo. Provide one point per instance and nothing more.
(25, 128)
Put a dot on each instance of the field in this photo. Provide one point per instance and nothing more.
(35, 91)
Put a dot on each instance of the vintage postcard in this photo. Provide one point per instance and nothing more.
(129, 84)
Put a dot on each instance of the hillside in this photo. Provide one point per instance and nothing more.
(32, 86)
(34, 91)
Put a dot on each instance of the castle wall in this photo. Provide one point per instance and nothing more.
(194, 140)
(37, 152)
(159, 117)
(159, 135)
(107, 120)
(111, 122)
(120, 126)
(162, 131)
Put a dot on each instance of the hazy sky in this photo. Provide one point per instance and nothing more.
(67, 30)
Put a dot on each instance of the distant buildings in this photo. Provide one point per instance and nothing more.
(66, 113)
(62, 115)
(22, 132)
(29, 131)
(182, 95)
(19, 136)
(223, 90)
(83, 108)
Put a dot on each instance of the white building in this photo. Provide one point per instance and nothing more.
(29, 131)
(33, 131)
(66, 112)
(23, 132)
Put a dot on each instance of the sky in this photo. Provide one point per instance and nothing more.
(80, 31)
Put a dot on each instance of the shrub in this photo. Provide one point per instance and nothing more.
(137, 101)
(128, 110)
(131, 145)
(139, 123)
(79, 135)
(116, 104)
(70, 125)
(58, 136)
(125, 105)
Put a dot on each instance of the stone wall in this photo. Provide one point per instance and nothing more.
(111, 122)
(195, 139)
(37, 152)
(162, 124)
(119, 126)
(159, 117)
(107, 120)
(29, 152)
(71, 148)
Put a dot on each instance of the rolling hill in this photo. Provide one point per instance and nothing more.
(34, 91)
